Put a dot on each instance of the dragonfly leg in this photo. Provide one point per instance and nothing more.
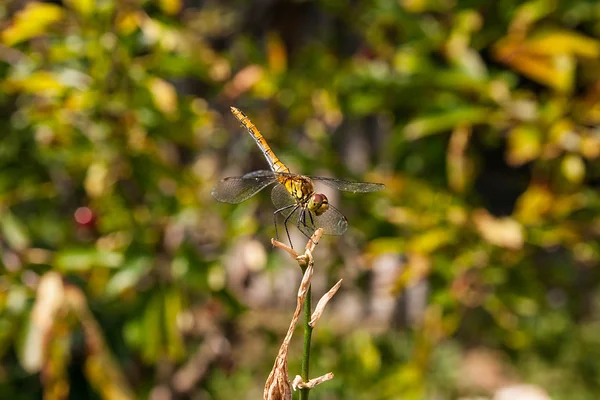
(312, 223)
(302, 221)
(285, 221)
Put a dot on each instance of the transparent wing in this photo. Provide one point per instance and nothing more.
(234, 190)
(332, 221)
(281, 197)
(348, 186)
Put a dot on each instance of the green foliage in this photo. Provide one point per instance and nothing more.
(122, 277)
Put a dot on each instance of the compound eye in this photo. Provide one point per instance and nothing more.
(318, 203)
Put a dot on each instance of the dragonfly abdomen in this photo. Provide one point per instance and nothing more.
(274, 163)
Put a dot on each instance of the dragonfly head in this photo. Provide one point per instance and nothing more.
(318, 203)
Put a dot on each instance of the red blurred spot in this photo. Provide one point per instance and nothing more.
(84, 216)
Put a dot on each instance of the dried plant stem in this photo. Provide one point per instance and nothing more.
(307, 336)
(273, 388)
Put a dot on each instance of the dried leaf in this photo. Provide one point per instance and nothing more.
(504, 232)
(164, 96)
(323, 303)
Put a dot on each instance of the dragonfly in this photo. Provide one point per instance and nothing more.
(293, 195)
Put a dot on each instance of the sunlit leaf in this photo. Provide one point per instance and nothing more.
(170, 7)
(548, 57)
(163, 95)
(32, 21)
(84, 7)
(152, 325)
(573, 168)
(38, 82)
(533, 204)
(563, 42)
(445, 121)
(14, 231)
(524, 144)
(429, 241)
(173, 307)
(128, 21)
(276, 53)
(73, 260)
(504, 232)
(96, 181)
(33, 349)
(128, 276)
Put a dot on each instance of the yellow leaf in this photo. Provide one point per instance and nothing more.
(524, 145)
(563, 42)
(83, 7)
(163, 95)
(127, 22)
(534, 204)
(277, 55)
(96, 180)
(430, 241)
(590, 146)
(37, 82)
(573, 168)
(556, 71)
(30, 22)
(170, 7)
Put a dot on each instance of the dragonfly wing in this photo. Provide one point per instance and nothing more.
(234, 190)
(332, 221)
(281, 197)
(349, 186)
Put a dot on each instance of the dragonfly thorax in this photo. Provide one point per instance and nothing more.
(300, 188)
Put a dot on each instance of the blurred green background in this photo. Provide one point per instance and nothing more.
(476, 269)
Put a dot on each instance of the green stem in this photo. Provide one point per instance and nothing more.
(307, 334)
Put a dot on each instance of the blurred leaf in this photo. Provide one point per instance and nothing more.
(79, 260)
(83, 7)
(534, 204)
(36, 82)
(128, 276)
(97, 179)
(33, 348)
(32, 21)
(562, 42)
(152, 333)
(430, 241)
(276, 53)
(445, 121)
(14, 231)
(163, 95)
(548, 57)
(504, 232)
(386, 245)
(170, 7)
(573, 168)
(173, 307)
(524, 144)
